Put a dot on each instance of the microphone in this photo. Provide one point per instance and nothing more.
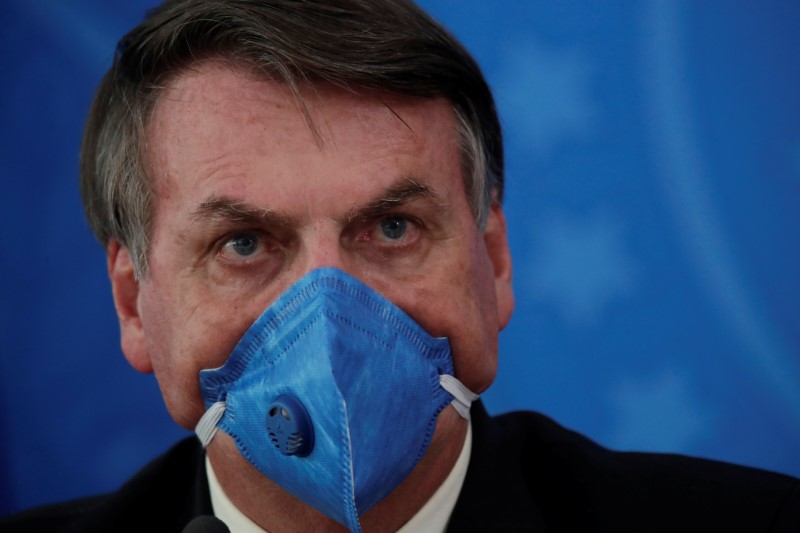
(206, 524)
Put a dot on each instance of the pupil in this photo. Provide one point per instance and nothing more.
(245, 245)
(393, 227)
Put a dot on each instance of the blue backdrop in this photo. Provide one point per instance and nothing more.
(653, 186)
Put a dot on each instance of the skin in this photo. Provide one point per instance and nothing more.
(248, 200)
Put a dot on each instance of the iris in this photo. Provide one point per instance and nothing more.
(244, 245)
(393, 227)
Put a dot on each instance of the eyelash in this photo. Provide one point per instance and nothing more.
(412, 225)
(365, 236)
(262, 243)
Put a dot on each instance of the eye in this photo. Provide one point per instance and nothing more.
(393, 228)
(391, 232)
(242, 246)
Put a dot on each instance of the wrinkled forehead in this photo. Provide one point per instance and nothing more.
(210, 95)
(217, 126)
(204, 77)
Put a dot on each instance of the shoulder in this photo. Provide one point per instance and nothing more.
(575, 481)
(165, 494)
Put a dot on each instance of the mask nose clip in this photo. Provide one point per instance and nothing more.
(289, 426)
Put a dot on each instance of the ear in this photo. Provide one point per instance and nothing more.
(125, 288)
(496, 239)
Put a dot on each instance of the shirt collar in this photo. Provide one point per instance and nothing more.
(433, 516)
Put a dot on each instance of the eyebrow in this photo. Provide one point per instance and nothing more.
(399, 194)
(227, 209)
(224, 208)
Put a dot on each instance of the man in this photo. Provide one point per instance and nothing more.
(259, 170)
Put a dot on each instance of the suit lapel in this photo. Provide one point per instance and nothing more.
(495, 495)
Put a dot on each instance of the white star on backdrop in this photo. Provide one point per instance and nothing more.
(579, 265)
(544, 96)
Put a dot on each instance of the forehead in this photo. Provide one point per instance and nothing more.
(210, 99)
(222, 132)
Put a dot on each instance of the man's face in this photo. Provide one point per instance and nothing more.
(248, 200)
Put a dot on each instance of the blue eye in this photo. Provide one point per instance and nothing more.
(242, 246)
(394, 227)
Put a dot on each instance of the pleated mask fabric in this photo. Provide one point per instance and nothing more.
(333, 393)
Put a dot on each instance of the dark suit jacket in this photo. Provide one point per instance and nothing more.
(526, 473)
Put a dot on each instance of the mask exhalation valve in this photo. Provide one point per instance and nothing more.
(289, 426)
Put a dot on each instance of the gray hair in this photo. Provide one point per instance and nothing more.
(386, 45)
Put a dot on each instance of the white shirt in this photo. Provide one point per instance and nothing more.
(433, 516)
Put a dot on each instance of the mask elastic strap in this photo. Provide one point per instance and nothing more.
(462, 396)
(207, 426)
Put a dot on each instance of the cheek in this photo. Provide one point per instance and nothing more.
(460, 303)
(474, 336)
(185, 335)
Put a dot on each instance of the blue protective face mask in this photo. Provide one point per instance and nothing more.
(333, 393)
